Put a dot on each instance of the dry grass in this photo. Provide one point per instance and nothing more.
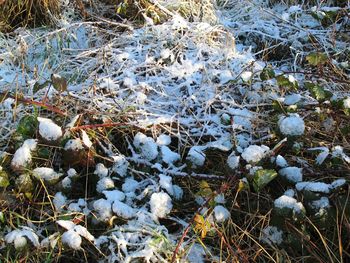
(22, 13)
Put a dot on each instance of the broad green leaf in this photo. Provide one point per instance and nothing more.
(318, 92)
(262, 178)
(38, 86)
(286, 82)
(27, 126)
(317, 58)
(267, 73)
(204, 189)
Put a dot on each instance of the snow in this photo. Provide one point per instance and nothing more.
(196, 156)
(220, 199)
(337, 183)
(319, 187)
(72, 172)
(120, 165)
(285, 201)
(46, 174)
(59, 201)
(346, 103)
(130, 185)
(100, 170)
(246, 76)
(221, 213)
(72, 239)
(292, 174)
(74, 145)
(161, 204)
(49, 130)
(292, 99)
(166, 183)
(66, 182)
(168, 156)
(104, 184)
(23, 155)
(163, 139)
(272, 234)
(123, 210)
(255, 153)
(292, 125)
(281, 162)
(322, 203)
(147, 146)
(114, 195)
(233, 161)
(19, 237)
(104, 209)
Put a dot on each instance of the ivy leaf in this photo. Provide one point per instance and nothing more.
(267, 73)
(318, 92)
(287, 82)
(262, 178)
(317, 58)
(27, 126)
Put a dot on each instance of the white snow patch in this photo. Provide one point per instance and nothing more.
(23, 155)
(168, 155)
(166, 183)
(233, 161)
(104, 184)
(255, 153)
(104, 209)
(19, 237)
(74, 145)
(285, 201)
(86, 140)
(123, 210)
(292, 99)
(49, 130)
(59, 201)
(292, 125)
(196, 156)
(163, 139)
(319, 187)
(114, 195)
(272, 234)
(160, 204)
(281, 162)
(101, 170)
(292, 174)
(221, 213)
(148, 147)
(72, 239)
(120, 165)
(46, 174)
(322, 203)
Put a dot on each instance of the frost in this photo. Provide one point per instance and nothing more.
(196, 156)
(255, 153)
(292, 99)
(103, 208)
(292, 125)
(221, 213)
(272, 234)
(292, 174)
(160, 204)
(49, 130)
(114, 195)
(130, 185)
(23, 155)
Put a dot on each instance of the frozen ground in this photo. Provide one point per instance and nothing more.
(183, 88)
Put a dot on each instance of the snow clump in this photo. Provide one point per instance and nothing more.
(23, 155)
(19, 237)
(160, 204)
(221, 213)
(233, 161)
(255, 153)
(285, 201)
(147, 146)
(49, 130)
(292, 125)
(120, 165)
(47, 174)
(272, 234)
(196, 156)
(292, 174)
(72, 237)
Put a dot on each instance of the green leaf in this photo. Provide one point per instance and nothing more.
(317, 58)
(4, 179)
(59, 83)
(27, 126)
(286, 82)
(267, 73)
(262, 178)
(318, 92)
(38, 86)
